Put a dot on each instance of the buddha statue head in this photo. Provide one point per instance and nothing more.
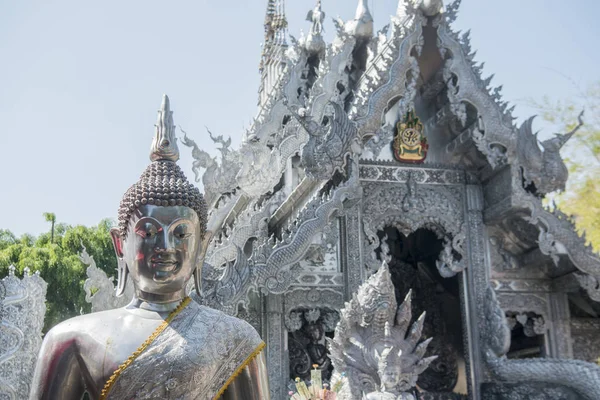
(161, 236)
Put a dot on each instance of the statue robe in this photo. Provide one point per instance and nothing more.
(196, 356)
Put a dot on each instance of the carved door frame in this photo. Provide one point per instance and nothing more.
(463, 218)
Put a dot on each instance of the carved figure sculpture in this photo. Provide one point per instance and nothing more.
(164, 344)
(307, 342)
(375, 343)
(546, 170)
(412, 201)
(316, 16)
(317, 351)
(314, 43)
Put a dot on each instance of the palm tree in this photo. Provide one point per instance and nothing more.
(51, 217)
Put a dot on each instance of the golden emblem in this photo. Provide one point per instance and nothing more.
(410, 145)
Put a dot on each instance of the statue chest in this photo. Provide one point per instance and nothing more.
(194, 357)
(104, 348)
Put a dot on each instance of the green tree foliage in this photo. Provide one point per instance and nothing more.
(582, 156)
(51, 217)
(56, 255)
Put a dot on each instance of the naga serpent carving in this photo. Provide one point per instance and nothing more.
(581, 376)
(269, 268)
(274, 275)
(546, 170)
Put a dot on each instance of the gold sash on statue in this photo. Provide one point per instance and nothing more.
(194, 354)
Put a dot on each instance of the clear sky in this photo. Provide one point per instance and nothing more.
(81, 81)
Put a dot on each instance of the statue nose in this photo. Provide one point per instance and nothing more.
(164, 244)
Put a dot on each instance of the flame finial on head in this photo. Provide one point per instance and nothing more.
(164, 145)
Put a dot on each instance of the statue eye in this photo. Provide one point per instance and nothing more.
(181, 232)
(148, 230)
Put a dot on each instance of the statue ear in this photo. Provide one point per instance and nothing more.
(122, 271)
(204, 247)
(200, 262)
(117, 242)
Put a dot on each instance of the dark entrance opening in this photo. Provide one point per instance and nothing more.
(527, 335)
(307, 345)
(412, 264)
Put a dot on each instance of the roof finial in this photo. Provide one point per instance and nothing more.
(560, 139)
(314, 43)
(431, 7)
(164, 145)
(362, 25)
(316, 16)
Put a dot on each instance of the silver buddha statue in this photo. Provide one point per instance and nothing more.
(164, 344)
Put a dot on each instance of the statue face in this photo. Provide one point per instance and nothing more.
(391, 377)
(315, 332)
(161, 248)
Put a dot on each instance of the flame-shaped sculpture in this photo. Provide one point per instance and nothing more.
(375, 344)
(164, 145)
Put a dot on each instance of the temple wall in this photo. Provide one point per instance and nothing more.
(585, 339)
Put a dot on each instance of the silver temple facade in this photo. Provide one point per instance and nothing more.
(391, 147)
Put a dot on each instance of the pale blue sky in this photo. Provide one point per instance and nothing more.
(81, 81)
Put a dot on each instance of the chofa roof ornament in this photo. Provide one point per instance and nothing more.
(362, 24)
(314, 43)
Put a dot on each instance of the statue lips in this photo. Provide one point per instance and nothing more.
(163, 266)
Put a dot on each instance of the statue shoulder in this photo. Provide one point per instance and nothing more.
(75, 332)
(76, 323)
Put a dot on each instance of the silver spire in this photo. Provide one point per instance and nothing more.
(273, 60)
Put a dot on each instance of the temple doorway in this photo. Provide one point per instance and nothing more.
(412, 264)
(307, 333)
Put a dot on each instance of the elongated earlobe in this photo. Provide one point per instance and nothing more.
(122, 270)
(200, 263)
(122, 274)
(198, 281)
(117, 240)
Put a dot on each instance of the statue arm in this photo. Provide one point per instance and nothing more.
(252, 383)
(58, 372)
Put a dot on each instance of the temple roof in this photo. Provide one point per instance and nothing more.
(344, 103)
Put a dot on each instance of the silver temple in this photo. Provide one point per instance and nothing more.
(391, 147)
